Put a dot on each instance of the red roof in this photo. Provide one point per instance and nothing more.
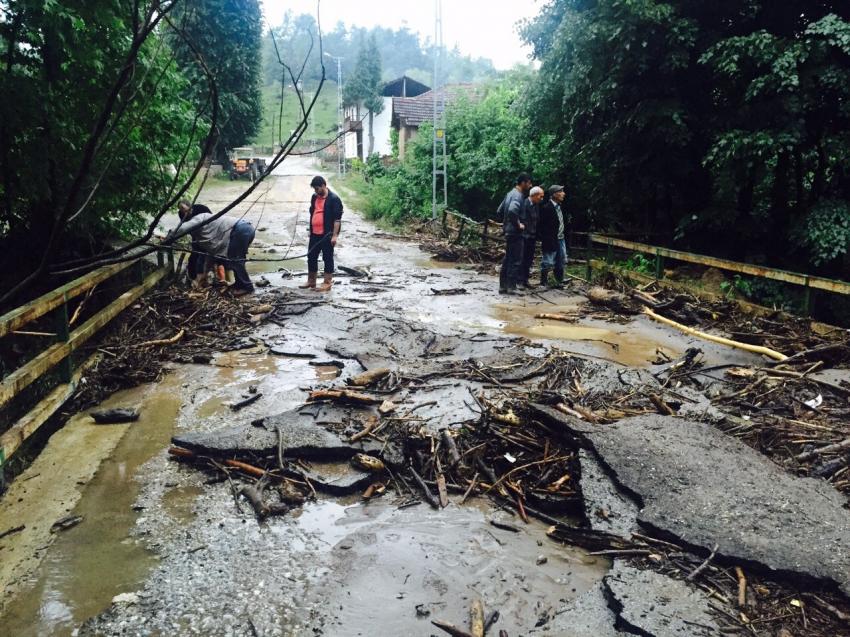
(412, 111)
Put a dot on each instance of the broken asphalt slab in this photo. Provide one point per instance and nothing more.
(703, 487)
(649, 603)
(605, 507)
(300, 437)
(586, 616)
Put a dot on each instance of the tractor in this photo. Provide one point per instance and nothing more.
(243, 163)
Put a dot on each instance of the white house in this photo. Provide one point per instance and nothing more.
(357, 120)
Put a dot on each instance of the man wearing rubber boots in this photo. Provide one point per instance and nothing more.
(325, 222)
(552, 230)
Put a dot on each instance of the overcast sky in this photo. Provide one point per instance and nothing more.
(481, 28)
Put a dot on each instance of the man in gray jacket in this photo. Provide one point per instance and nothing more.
(226, 239)
(513, 210)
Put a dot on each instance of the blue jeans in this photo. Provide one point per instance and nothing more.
(241, 236)
(555, 260)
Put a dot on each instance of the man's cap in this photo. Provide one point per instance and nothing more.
(554, 188)
(318, 180)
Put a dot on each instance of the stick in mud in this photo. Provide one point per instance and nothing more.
(429, 497)
(451, 629)
(244, 403)
(476, 618)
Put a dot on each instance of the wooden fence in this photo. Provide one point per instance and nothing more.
(64, 342)
(807, 281)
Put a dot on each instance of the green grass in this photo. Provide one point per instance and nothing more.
(323, 119)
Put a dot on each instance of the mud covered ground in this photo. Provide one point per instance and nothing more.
(625, 504)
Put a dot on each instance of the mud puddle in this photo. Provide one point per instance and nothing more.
(393, 570)
(628, 345)
(92, 562)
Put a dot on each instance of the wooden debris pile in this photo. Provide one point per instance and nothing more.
(176, 325)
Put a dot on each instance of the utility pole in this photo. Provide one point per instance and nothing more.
(340, 116)
(438, 158)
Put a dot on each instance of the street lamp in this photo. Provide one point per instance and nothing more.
(340, 142)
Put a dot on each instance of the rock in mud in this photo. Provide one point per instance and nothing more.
(705, 488)
(115, 416)
(649, 603)
(301, 438)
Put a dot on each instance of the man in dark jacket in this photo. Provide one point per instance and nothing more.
(325, 222)
(513, 210)
(552, 230)
(529, 235)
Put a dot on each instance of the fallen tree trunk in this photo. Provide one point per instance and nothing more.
(755, 349)
(588, 538)
(567, 318)
(838, 446)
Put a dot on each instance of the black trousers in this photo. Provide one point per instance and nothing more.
(511, 272)
(529, 244)
(318, 243)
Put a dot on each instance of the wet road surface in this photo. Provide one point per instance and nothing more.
(184, 560)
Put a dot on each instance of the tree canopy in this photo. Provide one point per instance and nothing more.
(720, 125)
(109, 107)
(229, 34)
(403, 52)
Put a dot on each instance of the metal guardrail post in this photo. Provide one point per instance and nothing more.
(138, 272)
(171, 259)
(609, 256)
(659, 265)
(807, 298)
(589, 256)
(160, 258)
(63, 333)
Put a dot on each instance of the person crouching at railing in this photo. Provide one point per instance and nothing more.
(223, 240)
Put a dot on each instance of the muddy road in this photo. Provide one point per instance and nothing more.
(163, 548)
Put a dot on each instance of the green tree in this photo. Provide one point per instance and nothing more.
(365, 84)
(489, 141)
(228, 33)
(721, 125)
(94, 113)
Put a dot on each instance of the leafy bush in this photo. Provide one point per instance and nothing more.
(638, 263)
(373, 168)
(825, 232)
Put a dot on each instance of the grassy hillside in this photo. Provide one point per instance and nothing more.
(323, 122)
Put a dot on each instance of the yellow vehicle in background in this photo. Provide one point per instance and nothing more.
(243, 163)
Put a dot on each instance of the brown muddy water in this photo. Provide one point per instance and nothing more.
(628, 345)
(92, 562)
